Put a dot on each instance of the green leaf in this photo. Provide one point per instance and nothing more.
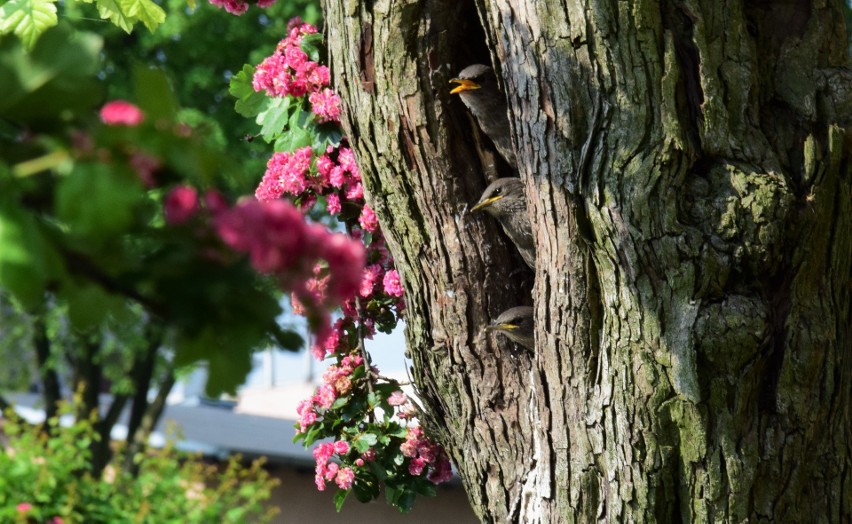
(274, 118)
(249, 102)
(23, 255)
(154, 94)
(147, 11)
(89, 305)
(292, 140)
(340, 498)
(327, 134)
(340, 402)
(289, 340)
(98, 201)
(365, 441)
(312, 44)
(116, 12)
(28, 19)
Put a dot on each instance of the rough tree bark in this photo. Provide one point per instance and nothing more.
(688, 172)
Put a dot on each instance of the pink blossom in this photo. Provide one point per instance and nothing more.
(345, 477)
(285, 173)
(24, 507)
(323, 451)
(368, 219)
(397, 398)
(415, 467)
(409, 448)
(180, 205)
(57, 520)
(442, 471)
(121, 113)
(337, 176)
(215, 202)
(359, 462)
(331, 471)
(145, 165)
(235, 7)
(333, 203)
(325, 396)
(354, 191)
(341, 447)
(326, 105)
(369, 455)
(391, 283)
(369, 277)
(324, 165)
(346, 159)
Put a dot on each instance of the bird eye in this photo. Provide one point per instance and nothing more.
(498, 190)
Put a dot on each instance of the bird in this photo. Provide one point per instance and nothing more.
(516, 323)
(504, 199)
(477, 88)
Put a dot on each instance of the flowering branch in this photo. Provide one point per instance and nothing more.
(375, 441)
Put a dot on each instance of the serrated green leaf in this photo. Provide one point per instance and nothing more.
(365, 441)
(312, 44)
(292, 140)
(340, 498)
(116, 12)
(249, 102)
(274, 118)
(147, 12)
(327, 134)
(28, 19)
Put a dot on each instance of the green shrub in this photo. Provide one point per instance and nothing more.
(46, 479)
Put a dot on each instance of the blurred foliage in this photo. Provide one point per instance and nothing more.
(199, 49)
(81, 223)
(43, 477)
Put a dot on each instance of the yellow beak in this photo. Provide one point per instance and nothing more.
(501, 327)
(486, 202)
(463, 85)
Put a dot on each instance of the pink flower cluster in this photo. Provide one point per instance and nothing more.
(279, 241)
(425, 453)
(238, 7)
(336, 381)
(289, 71)
(121, 113)
(326, 471)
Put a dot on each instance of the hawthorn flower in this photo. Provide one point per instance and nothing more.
(326, 105)
(345, 477)
(368, 219)
(121, 113)
(391, 283)
(24, 507)
(180, 205)
(397, 398)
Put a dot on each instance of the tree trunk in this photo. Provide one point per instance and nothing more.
(687, 170)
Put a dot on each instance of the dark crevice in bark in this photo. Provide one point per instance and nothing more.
(779, 301)
(677, 19)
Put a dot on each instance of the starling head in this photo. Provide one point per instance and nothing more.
(477, 87)
(518, 324)
(474, 77)
(504, 199)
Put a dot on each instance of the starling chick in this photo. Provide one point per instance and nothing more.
(477, 87)
(517, 324)
(504, 199)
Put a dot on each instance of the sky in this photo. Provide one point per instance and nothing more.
(386, 351)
